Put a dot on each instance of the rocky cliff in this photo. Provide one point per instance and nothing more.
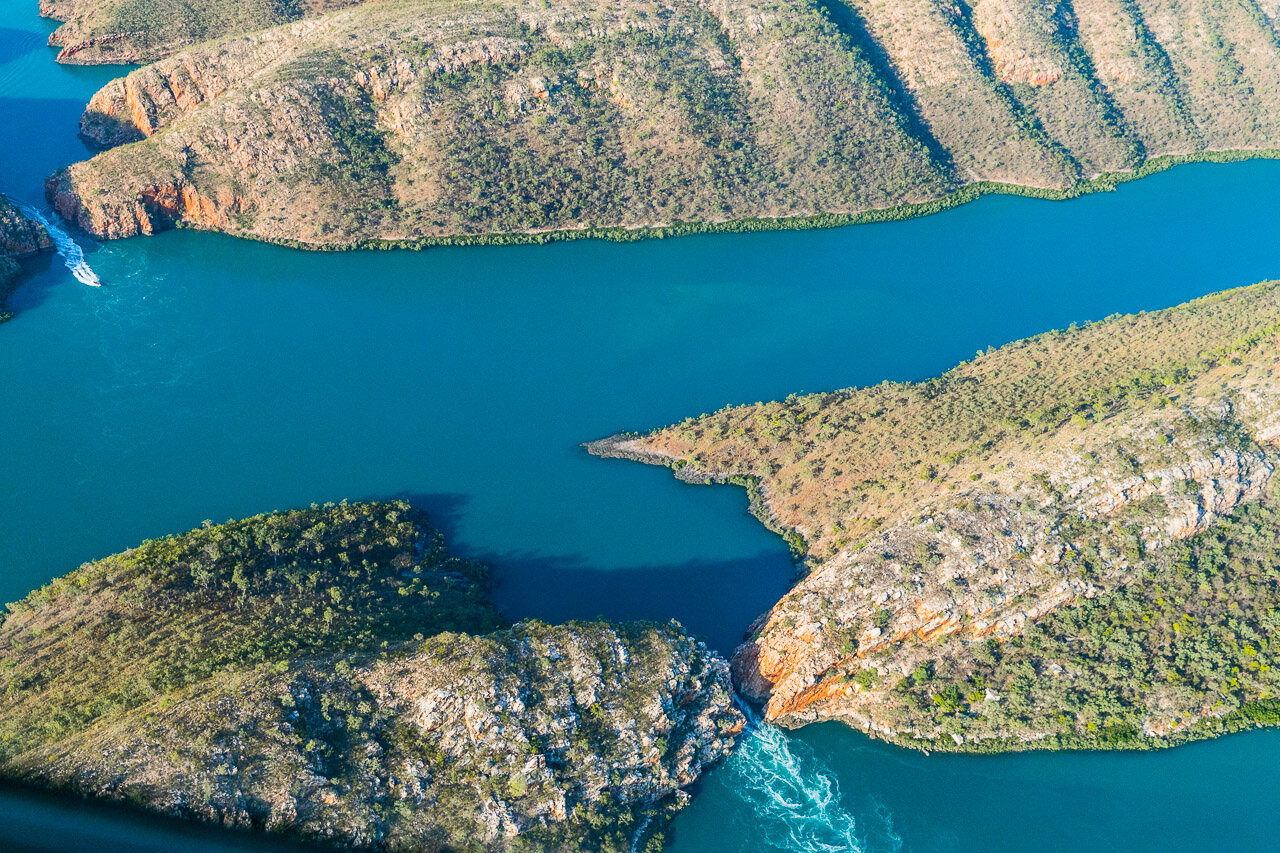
(113, 32)
(334, 674)
(19, 237)
(414, 121)
(948, 525)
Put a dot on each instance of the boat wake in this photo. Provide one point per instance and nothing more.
(67, 247)
(795, 798)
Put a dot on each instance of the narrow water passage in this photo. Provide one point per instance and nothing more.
(793, 798)
(212, 378)
(67, 247)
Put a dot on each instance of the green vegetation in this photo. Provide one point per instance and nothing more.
(323, 673)
(396, 125)
(841, 464)
(113, 31)
(156, 24)
(1067, 541)
(1187, 650)
(899, 213)
(523, 661)
(172, 612)
(494, 172)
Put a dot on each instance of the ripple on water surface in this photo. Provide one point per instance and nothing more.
(211, 378)
(792, 802)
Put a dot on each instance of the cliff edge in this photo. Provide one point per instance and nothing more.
(410, 122)
(333, 674)
(19, 237)
(1068, 541)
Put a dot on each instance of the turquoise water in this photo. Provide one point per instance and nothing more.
(211, 378)
(1213, 796)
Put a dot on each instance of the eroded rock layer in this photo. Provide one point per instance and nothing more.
(952, 525)
(420, 120)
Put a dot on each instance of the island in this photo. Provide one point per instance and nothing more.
(340, 124)
(20, 237)
(334, 674)
(1070, 541)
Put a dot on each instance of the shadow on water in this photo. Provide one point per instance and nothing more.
(36, 821)
(445, 510)
(716, 600)
(552, 588)
(37, 279)
(24, 166)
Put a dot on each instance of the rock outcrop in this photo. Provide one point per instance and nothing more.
(19, 237)
(986, 563)
(305, 673)
(944, 516)
(413, 122)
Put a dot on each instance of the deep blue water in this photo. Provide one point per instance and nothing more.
(213, 378)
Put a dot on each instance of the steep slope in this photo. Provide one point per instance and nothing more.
(128, 31)
(322, 673)
(19, 237)
(413, 121)
(982, 529)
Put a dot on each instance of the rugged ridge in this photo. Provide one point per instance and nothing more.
(333, 674)
(954, 524)
(413, 121)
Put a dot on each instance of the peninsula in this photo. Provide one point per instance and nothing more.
(333, 674)
(1070, 541)
(411, 122)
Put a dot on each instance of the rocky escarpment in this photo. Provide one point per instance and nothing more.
(410, 121)
(991, 562)
(333, 674)
(19, 237)
(129, 31)
(951, 520)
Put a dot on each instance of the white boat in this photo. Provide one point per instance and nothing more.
(68, 248)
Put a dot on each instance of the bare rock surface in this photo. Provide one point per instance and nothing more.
(957, 523)
(333, 674)
(420, 121)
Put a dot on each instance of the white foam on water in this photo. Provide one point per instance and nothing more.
(794, 796)
(67, 247)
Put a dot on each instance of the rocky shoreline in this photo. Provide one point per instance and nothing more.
(266, 685)
(908, 624)
(157, 209)
(536, 123)
(19, 238)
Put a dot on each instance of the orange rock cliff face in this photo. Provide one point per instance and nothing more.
(156, 208)
(398, 122)
(999, 548)
(1008, 573)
